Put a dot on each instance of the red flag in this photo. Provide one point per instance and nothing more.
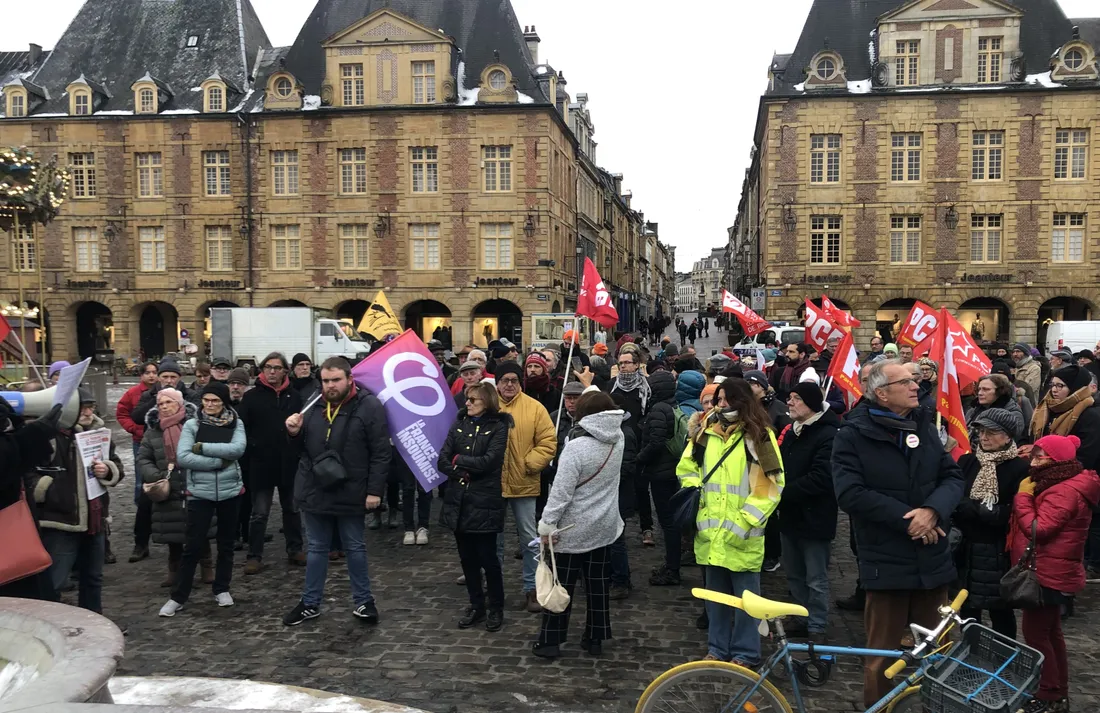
(844, 368)
(751, 322)
(949, 399)
(819, 327)
(594, 301)
(5, 328)
(837, 316)
(919, 325)
(970, 362)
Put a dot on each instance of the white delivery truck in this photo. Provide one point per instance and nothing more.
(245, 335)
(1074, 336)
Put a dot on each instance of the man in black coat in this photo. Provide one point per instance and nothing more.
(272, 459)
(807, 510)
(302, 378)
(168, 376)
(893, 477)
(658, 456)
(345, 460)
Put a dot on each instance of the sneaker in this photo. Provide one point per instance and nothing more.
(619, 591)
(374, 520)
(1037, 706)
(410, 538)
(647, 538)
(770, 565)
(367, 613)
(422, 536)
(391, 519)
(663, 577)
(460, 580)
(108, 555)
(495, 620)
(470, 617)
(138, 554)
(254, 566)
(300, 613)
(224, 599)
(170, 608)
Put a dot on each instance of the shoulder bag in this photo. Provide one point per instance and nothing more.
(328, 467)
(159, 490)
(1020, 588)
(23, 553)
(550, 594)
(685, 501)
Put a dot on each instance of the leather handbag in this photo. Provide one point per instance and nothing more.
(159, 490)
(23, 553)
(685, 501)
(1020, 587)
(548, 590)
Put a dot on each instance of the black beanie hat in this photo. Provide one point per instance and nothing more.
(299, 358)
(169, 365)
(1074, 377)
(508, 367)
(218, 389)
(810, 393)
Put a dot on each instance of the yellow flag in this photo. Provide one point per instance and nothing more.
(379, 320)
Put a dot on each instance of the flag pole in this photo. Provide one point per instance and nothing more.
(27, 356)
(568, 368)
(828, 385)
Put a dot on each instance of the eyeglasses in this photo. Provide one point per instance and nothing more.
(626, 363)
(211, 402)
(908, 382)
(509, 380)
(1058, 386)
(273, 367)
(472, 400)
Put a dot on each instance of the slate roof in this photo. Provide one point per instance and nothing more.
(1090, 30)
(848, 24)
(478, 26)
(15, 64)
(116, 42)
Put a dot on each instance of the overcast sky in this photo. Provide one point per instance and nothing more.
(679, 132)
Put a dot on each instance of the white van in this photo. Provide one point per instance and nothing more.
(780, 334)
(1074, 336)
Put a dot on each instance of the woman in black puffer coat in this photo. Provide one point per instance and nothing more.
(993, 473)
(658, 454)
(473, 505)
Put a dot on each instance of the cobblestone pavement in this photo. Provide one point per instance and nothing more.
(417, 656)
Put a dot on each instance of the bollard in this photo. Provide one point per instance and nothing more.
(96, 382)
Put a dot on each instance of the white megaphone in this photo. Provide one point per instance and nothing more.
(38, 403)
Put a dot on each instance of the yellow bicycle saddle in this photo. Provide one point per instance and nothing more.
(758, 607)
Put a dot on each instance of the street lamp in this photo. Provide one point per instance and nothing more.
(529, 227)
(382, 225)
(951, 218)
(790, 220)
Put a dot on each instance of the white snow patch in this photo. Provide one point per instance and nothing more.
(863, 86)
(180, 111)
(115, 112)
(237, 695)
(540, 69)
(196, 89)
(311, 102)
(1042, 80)
(800, 87)
(524, 99)
(978, 88)
(244, 100)
(871, 51)
(49, 115)
(466, 97)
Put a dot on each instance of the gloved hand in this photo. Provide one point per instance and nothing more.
(197, 449)
(1027, 486)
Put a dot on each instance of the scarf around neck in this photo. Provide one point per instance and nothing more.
(797, 426)
(1049, 475)
(1062, 416)
(633, 381)
(170, 428)
(277, 389)
(985, 487)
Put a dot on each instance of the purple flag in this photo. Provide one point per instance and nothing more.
(419, 407)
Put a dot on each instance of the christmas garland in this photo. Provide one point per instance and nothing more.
(33, 190)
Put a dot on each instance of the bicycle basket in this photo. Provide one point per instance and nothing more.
(984, 672)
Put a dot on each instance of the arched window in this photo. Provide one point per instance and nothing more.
(497, 79)
(215, 99)
(283, 87)
(147, 101)
(1074, 59)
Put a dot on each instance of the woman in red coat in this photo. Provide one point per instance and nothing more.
(1057, 499)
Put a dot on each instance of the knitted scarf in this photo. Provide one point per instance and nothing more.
(1049, 475)
(278, 389)
(171, 427)
(985, 487)
(765, 453)
(633, 381)
(1064, 413)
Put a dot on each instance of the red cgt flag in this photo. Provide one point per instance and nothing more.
(919, 325)
(842, 319)
(751, 322)
(969, 361)
(5, 328)
(594, 301)
(819, 327)
(949, 398)
(844, 368)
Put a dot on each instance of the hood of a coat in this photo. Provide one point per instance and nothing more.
(1088, 485)
(689, 386)
(662, 386)
(605, 426)
(97, 422)
(152, 419)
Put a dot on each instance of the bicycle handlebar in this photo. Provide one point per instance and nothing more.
(932, 637)
(897, 667)
(960, 599)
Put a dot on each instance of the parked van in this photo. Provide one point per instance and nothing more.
(780, 334)
(1074, 336)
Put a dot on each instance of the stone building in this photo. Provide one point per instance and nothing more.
(940, 150)
(707, 275)
(416, 147)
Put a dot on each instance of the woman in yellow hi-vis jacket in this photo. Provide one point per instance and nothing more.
(738, 450)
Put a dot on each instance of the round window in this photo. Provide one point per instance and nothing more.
(497, 79)
(1074, 59)
(283, 87)
(826, 68)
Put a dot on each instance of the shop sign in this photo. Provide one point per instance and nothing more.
(826, 279)
(353, 282)
(497, 281)
(543, 298)
(986, 277)
(776, 293)
(220, 284)
(86, 284)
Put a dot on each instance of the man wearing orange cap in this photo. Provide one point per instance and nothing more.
(599, 349)
(571, 337)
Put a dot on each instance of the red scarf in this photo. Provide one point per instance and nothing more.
(277, 389)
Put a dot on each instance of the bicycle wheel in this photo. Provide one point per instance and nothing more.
(907, 702)
(710, 686)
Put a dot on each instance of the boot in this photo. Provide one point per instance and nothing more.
(173, 574)
(854, 602)
(207, 566)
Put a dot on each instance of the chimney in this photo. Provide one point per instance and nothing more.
(627, 196)
(532, 39)
(618, 178)
(35, 54)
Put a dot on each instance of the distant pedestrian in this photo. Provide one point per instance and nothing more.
(143, 517)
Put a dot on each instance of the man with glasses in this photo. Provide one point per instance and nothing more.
(302, 379)
(894, 479)
(219, 369)
(876, 349)
(630, 391)
(272, 459)
(532, 443)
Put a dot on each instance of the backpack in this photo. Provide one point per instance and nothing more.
(678, 441)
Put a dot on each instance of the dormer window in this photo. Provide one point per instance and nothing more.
(193, 41)
(82, 104)
(1074, 59)
(147, 101)
(826, 68)
(907, 63)
(215, 99)
(17, 104)
(283, 87)
(498, 79)
(85, 96)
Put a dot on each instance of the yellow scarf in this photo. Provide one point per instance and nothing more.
(1066, 413)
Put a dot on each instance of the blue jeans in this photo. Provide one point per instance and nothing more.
(319, 531)
(86, 553)
(732, 632)
(620, 563)
(523, 510)
(806, 563)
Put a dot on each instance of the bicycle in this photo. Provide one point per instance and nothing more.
(952, 684)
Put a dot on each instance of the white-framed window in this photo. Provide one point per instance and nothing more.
(424, 246)
(425, 169)
(353, 171)
(86, 249)
(987, 156)
(497, 163)
(423, 82)
(355, 246)
(1071, 153)
(284, 173)
(825, 233)
(154, 256)
(1067, 243)
(904, 239)
(824, 158)
(150, 175)
(24, 255)
(826, 68)
(496, 246)
(17, 105)
(990, 59)
(1074, 59)
(907, 63)
(83, 174)
(219, 248)
(82, 104)
(147, 101)
(286, 247)
(498, 79)
(216, 165)
(985, 238)
(905, 157)
(283, 87)
(215, 99)
(351, 76)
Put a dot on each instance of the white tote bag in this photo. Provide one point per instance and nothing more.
(548, 590)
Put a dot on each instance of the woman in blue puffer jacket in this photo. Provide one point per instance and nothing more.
(210, 447)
